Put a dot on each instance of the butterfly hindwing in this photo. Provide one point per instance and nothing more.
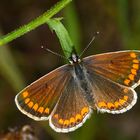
(122, 67)
(110, 96)
(38, 100)
(72, 109)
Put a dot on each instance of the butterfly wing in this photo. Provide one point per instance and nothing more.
(110, 96)
(38, 100)
(72, 109)
(122, 67)
(112, 76)
(57, 97)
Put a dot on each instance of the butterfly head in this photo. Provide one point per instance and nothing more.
(74, 59)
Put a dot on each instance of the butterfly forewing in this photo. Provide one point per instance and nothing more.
(39, 99)
(72, 109)
(122, 67)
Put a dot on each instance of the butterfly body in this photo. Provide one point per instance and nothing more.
(80, 75)
(67, 95)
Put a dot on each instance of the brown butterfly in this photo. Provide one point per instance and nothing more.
(66, 96)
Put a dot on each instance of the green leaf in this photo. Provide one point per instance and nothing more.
(62, 34)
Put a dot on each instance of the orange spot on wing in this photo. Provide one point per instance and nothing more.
(133, 55)
(121, 101)
(78, 117)
(84, 111)
(47, 110)
(136, 61)
(27, 100)
(135, 66)
(133, 71)
(125, 98)
(131, 76)
(56, 116)
(117, 104)
(110, 105)
(102, 104)
(35, 107)
(126, 82)
(25, 94)
(66, 122)
(41, 109)
(61, 121)
(30, 104)
(125, 90)
(72, 120)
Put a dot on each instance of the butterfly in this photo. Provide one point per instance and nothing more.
(67, 95)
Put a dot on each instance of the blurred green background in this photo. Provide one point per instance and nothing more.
(23, 61)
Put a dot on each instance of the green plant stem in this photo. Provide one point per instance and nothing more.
(35, 23)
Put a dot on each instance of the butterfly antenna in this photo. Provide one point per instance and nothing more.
(54, 52)
(93, 38)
